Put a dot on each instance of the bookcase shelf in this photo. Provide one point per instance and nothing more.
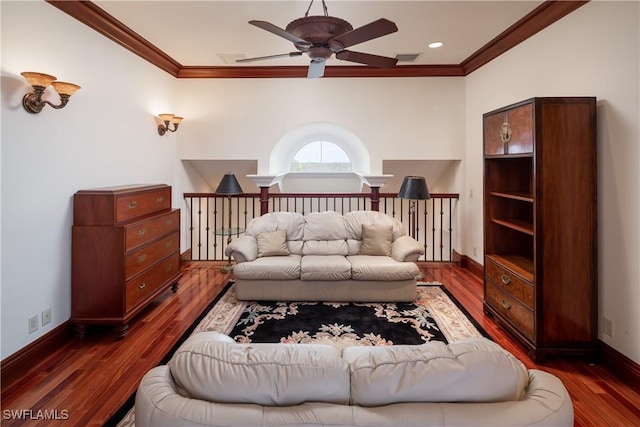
(540, 223)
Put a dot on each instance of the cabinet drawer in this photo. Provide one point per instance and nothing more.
(510, 308)
(141, 287)
(145, 231)
(135, 205)
(149, 255)
(510, 131)
(510, 282)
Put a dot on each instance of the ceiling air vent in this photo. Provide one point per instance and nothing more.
(407, 57)
(230, 58)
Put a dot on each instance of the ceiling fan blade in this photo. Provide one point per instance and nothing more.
(267, 26)
(371, 31)
(316, 68)
(261, 58)
(367, 59)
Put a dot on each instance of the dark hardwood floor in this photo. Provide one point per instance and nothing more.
(86, 381)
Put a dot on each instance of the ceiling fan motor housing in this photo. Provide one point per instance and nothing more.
(318, 30)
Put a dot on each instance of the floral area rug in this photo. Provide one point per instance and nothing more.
(434, 316)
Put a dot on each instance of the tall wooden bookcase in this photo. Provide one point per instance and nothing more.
(540, 223)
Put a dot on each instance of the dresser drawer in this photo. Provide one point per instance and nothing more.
(510, 308)
(141, 287)
(140, 204)
(510, 282)
(142, 232)
(138, 260)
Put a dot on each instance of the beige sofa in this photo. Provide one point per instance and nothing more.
(325, 256)
(212, 381)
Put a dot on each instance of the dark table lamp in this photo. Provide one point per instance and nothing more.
(414, 188)
(228, 185)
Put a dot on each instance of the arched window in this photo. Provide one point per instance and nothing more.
(320, 156)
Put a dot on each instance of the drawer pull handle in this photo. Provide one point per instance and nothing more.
(505, 279)
(141, 286)
(159, 199)
(168, 243)
(142, 232)
(132, 205)
(169, 221)
(506, 305)
(142, 258)
(169, 267)
(505, 132)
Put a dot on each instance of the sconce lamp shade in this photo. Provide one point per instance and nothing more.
(64, 88)
(414, 188)
(38, 79)
(165, 117)
(229, 185)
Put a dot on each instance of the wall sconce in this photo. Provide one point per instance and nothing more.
(33, 102)
(168, 119)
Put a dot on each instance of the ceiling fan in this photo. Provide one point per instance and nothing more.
(322, 36)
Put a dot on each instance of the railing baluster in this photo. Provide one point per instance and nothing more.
(389, 204)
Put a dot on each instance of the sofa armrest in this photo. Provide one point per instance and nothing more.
(406, 249)
(159, 403)
(243, 249)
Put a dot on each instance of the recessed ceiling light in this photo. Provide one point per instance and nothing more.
(435, 45)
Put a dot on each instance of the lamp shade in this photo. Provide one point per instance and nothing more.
(38, 79)
(64, 88)
(229, 185)
(414, 188)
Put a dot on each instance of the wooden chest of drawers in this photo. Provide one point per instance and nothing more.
(125, 252)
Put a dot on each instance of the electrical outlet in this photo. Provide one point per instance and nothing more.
(471, 194)
(46, 316)
(475, 251)
(607, 326)
(33, 324)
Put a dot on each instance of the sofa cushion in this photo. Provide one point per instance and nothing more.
(327, 225)
(269, 268)
(354, 220)
(376, 239)
(325, 267)
(325, 247)
(291, 222)
(264, 374)
(381, 268)
(473, 370)
(272, 243)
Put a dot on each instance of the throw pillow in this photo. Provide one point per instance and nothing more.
(272, 243)
(376, 239)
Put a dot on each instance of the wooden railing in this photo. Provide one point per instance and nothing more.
(210, 216)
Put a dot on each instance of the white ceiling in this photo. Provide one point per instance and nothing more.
(203, 33)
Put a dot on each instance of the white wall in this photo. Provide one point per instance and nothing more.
(105, 136)
(404, 118)
(595, 51)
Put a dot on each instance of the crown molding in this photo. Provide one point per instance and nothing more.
(94, 17)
